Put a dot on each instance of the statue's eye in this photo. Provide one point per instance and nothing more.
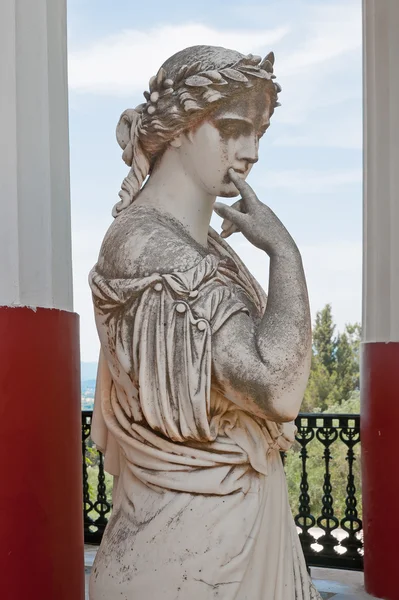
(233, 128)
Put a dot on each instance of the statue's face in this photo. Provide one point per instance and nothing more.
(230, 138)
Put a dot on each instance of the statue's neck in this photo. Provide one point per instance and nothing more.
(171, 190)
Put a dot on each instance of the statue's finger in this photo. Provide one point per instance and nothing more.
(248, 197)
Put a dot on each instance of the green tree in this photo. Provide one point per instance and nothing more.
(324, 342)
(320, 391)
(347, 360)
(334, 373)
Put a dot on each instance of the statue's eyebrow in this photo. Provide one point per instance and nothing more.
(232, 117)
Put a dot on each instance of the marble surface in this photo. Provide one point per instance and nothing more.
(331, 583)
(199, 380)
(340, 585)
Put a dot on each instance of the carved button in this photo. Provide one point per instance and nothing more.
(193, 294)
(201, 325)
(158, 287)
(181, 308)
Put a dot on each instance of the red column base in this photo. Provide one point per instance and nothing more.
(380, 469)
(41, 523)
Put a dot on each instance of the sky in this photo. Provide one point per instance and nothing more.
(310, 166)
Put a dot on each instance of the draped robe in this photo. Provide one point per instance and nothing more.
(200, 503)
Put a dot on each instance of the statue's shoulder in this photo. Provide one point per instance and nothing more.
(143, 241)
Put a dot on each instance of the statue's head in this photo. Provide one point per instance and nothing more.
(211, 105)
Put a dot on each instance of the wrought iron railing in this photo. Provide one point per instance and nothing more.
(330, 531)
(324, 487)
(97, 489)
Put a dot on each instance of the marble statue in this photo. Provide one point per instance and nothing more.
(200, 378)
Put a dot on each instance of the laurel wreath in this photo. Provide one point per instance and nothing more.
(191, 76)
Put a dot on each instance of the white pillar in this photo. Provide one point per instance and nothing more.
(35, 222)
(380, 348)
(381, 171)
(41, 520)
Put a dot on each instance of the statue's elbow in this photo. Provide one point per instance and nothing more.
(284, 400)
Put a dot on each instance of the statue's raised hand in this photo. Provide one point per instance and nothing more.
(256, 221)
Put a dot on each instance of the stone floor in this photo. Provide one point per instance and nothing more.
(331, 583)
(340, 585)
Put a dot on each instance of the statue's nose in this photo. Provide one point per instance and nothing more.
(249, 150)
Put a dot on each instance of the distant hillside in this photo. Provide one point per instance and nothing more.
(88, 371)
(88, 388)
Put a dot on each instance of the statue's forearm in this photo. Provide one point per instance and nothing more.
(284, 334)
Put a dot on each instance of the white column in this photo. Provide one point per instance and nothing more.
(35, 223)
(381, 171)
(40, 425)
(380, 349)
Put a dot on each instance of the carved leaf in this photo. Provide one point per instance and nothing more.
(197, 81)
(215, 77)
(212, 95)
(186, 96)
(181, 73)
(259, 73)
(248, 68)
(186, 71)
(194, 68)
(234, 75)
(270, 57)
(249, 60)
(190, 106)
(267, 65)
(161, 76)
(152, 83)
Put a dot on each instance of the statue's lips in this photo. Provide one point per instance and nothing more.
(241, 172)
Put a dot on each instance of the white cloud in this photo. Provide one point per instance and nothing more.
(332, 32)
(307, 181)
(318, 63)
(320, 67)
(122, 64)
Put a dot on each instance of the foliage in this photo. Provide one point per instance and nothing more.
(333, 388)
(324, 342)
(334, 374)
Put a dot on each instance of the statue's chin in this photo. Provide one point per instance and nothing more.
(229, 194)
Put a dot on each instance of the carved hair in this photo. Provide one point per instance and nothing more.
(187, 88)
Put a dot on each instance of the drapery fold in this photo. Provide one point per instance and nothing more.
(199, 482)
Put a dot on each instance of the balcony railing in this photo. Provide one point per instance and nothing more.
(323, 479)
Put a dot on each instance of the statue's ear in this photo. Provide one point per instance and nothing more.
(176, 142)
